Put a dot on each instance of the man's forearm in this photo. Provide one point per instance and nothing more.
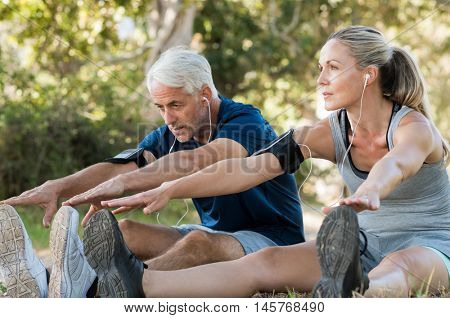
(90, 177)
(164, 169)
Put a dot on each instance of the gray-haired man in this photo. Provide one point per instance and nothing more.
(200, 129)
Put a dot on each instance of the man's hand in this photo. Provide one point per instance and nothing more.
(46, 196)
(153, 200)
(106, 190)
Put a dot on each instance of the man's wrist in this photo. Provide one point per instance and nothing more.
(58, 186)
(124, 179)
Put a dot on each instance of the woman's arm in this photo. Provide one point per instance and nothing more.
(227, 177)
(414, 142)
(224, 177)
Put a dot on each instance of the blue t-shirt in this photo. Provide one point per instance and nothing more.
(271, 208)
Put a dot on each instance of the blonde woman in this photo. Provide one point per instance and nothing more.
(390, 155)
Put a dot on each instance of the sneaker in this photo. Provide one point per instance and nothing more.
(22, 272)
(71, 275)
(338, 250)
(119, 271)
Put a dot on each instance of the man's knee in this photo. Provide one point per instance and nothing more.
(126, 226)
(195, 240)
(211, 247)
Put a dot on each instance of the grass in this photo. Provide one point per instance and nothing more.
(32, 219)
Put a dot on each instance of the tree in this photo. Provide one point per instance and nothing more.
(72, 72)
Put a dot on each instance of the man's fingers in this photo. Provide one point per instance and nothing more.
(123, 209)
(87, 217)
(50, 210)
(19, 200)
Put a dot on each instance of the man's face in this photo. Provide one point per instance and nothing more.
(182, 112)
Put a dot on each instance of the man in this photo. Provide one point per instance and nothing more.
(200, 129)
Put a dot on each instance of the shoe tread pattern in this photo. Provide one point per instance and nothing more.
(18, 279)
(99, 245)
(336, 241)
(59, 233)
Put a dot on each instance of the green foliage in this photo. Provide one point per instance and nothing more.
(71, 88)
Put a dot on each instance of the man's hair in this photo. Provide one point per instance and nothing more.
(180, 67)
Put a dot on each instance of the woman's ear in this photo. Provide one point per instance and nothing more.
(371, 74)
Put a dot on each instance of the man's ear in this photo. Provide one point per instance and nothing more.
(206, 92)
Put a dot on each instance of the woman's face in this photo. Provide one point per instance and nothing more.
(340, 81)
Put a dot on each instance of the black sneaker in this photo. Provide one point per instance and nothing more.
(338, 250)
(119, 271)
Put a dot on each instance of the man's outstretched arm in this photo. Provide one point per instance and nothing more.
(167, 168)
(47, 194)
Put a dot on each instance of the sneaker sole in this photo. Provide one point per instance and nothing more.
(60, 279)
(337, 239)
(18, 279)
(101, 240)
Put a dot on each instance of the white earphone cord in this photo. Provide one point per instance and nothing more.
(310, 156)
(343, 160)
(170, 150)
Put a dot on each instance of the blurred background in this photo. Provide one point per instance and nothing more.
(72, 89)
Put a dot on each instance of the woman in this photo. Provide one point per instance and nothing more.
(391, 157)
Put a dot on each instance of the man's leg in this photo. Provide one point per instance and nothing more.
(167, 249)
(148, 241)
(410, 270)
(198, 248)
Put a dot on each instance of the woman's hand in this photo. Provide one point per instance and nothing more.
(363, 199)
(152, 200)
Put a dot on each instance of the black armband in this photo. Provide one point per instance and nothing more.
(286, 150)
(130, 155)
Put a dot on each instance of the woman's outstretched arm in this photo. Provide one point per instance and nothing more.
(224, 177)
(415, 140)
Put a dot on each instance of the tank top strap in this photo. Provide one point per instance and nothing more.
(397, 117)
(337, 133)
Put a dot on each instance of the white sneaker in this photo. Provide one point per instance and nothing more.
(71, 275)
(23, 273)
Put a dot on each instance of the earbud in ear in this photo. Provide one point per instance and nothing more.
(367, 76)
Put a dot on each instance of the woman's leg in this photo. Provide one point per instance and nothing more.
(408, 271)
(274, 268)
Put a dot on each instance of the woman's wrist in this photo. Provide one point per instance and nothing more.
(374, 188)
(169, 188)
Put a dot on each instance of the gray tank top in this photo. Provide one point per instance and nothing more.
(417, 212)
